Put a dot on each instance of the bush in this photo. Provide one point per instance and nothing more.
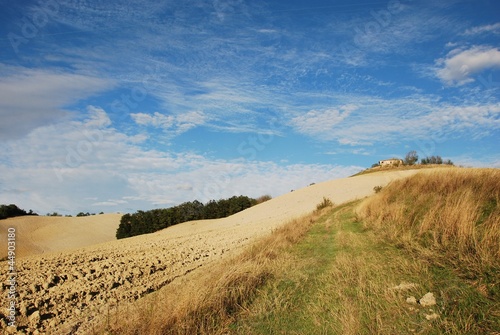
(435, 160)
(324, 204)
(262, 199)
(377, 189)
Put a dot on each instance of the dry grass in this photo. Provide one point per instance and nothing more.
(341, 282)
(323, 274)
(345, 279)
(402, 168)
(452, 216)
(205, 302)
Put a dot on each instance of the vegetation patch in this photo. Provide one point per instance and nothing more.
(145, 222)
(10, 211)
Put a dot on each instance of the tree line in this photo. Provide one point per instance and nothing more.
(411, 158)
(10, 211)
(144, 222)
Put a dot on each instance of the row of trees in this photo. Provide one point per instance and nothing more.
(69, 215)
(144, 222)
(10, 211)
(411, 158)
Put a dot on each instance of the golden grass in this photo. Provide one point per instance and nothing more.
(402, 168)
(205, 302)
(452, 215)
(321, 274)
(341, 281)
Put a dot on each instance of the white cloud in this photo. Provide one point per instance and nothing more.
(169, 123)
(156, 120)
(460, 65)
(97, 118)
(489, 28)
(109, 203)
(318, 123)
(31, 98)
(190, 120)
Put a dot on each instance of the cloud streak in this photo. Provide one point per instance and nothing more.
(460, 66)
(486, 29)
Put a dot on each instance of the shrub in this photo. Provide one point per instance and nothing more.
(262, 199)
(324, 204)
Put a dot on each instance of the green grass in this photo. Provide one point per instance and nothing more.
(339, 280)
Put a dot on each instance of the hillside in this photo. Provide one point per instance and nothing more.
(419, 257)
(42, 234)
(37, 235)
(78, 285)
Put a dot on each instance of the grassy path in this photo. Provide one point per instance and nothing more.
(342, 279)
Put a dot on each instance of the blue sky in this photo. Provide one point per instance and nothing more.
(127, 105)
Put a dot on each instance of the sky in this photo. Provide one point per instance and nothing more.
(117, 106)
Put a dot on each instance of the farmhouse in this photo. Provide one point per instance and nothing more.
(391, 162)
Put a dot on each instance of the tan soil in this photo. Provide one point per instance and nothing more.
(41, 234)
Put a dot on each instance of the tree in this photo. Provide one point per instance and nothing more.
(432, 160)
(448, 162)
(10, 211)
(411, 158)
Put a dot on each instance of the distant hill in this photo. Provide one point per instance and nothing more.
(41, 234)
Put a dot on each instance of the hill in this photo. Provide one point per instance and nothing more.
(79, 285)
(419, 257)
(41, 234)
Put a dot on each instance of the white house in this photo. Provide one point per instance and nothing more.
(391, 162)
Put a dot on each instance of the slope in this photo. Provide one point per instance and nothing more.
(41, 234)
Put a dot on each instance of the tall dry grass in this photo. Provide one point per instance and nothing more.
(205, 302)
(451, 213)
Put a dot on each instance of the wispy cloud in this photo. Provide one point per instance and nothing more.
(157, 120)
(369, 120)
(489, 28)
(460, 65)
(390, 30)
(318, 123)
(171, 124)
